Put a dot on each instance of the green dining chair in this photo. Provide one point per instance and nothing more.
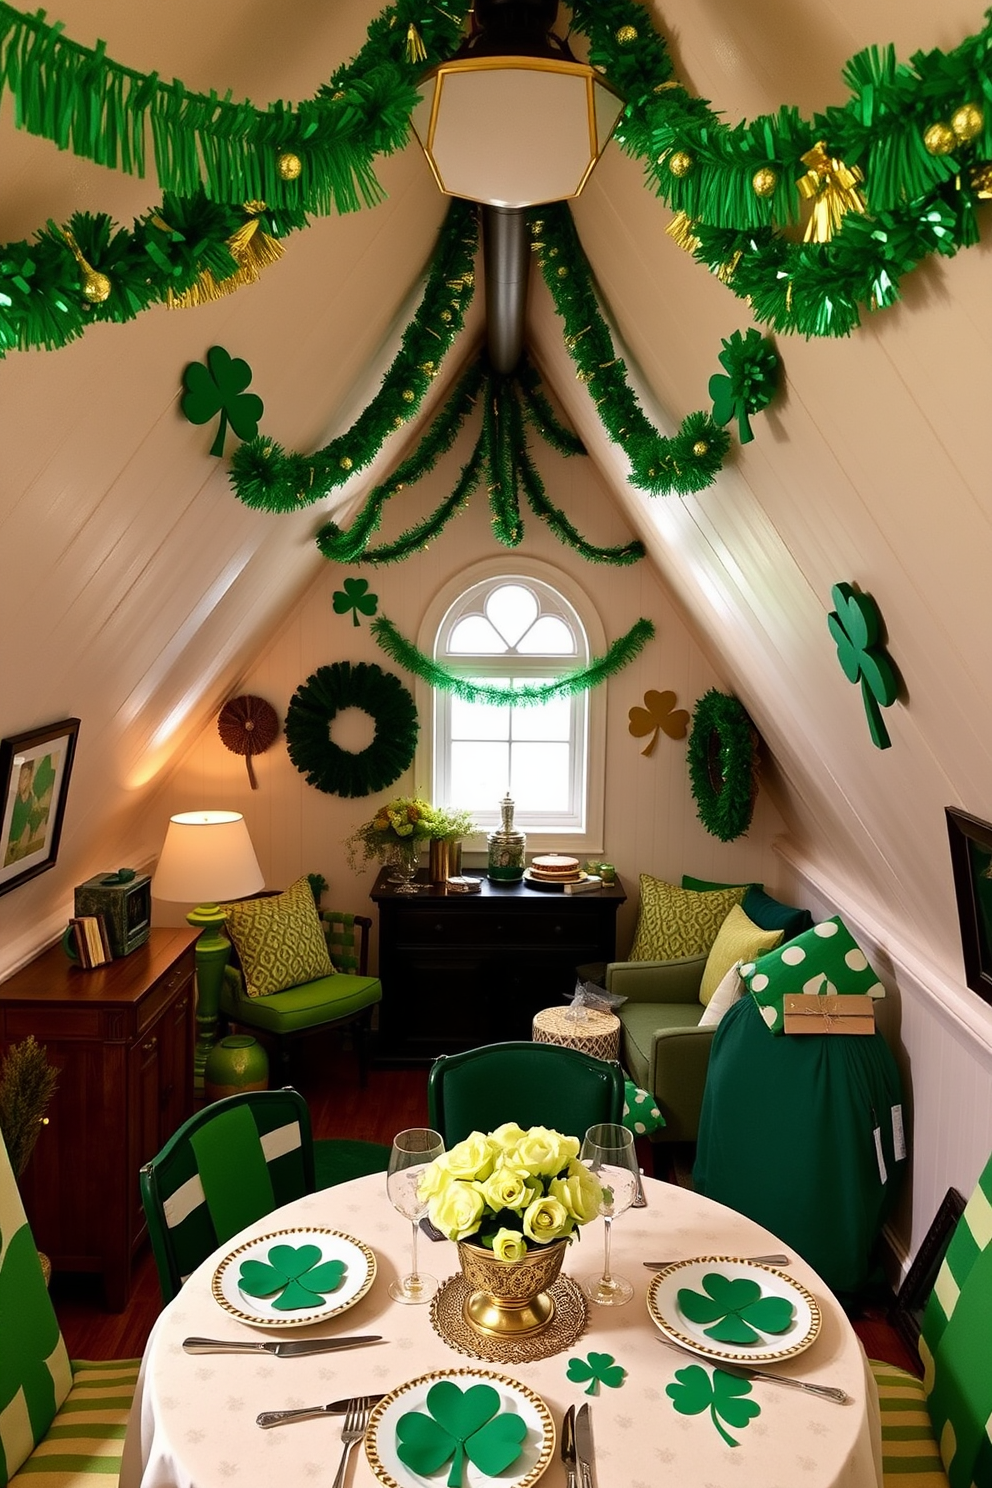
(531, 1084)
(61, 1422)
(936, 1430)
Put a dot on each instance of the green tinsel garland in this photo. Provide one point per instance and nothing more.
(406, 654)
(722, 759)
(315, 705)
(83, 101)
(688, 461)
(265, 475)
(500, 457)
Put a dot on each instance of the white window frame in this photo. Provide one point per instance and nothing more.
(580, 839)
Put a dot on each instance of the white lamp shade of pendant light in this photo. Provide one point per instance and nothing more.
(514, 131)
(207, 856)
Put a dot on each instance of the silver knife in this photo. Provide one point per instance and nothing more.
(761, 1260)
(335, 1408)
(567, 1449)
(583, 1445)
(288, 1349)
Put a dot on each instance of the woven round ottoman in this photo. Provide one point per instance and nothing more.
(597, 1034)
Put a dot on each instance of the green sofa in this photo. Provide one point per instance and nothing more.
(662, 1047)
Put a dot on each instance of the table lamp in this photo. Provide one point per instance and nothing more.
(207, 856)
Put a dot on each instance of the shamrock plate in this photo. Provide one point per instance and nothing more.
(293, 1277)
(741, 1311)
(511, 1426)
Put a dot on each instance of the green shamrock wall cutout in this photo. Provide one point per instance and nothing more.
(736, 1307)
(219, 387)
(721, 1396)
(296, 1273)
(658, 714)
(856, 627)
(354, 596)
(460, 1424)
(749, 386)
(597, 1369)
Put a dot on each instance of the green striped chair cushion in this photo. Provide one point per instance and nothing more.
(910, 1458)
(86, 1439)
(954, 1348)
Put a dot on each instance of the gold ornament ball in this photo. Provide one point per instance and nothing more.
(345, 462)
(939, 139)
(96, 287)
(700, 448)
(626, 34)
(764, 181)
(680, 164)
(408, 395)
(290, 165)
(967, 121)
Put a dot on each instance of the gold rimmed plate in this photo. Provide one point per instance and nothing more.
(668, 1315)
(263, 1312)
(538, 1447)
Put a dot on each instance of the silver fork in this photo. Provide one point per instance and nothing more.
(355, 1425)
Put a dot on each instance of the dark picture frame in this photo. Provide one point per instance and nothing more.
(971, 861)
(34, 782)
(907, 1311)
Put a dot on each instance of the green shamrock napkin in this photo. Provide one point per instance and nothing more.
(735, 1308)
(826, 959)
(296, 1273)
(460, 1424)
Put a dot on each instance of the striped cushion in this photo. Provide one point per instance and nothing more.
(909, 1450)
(87, 1436)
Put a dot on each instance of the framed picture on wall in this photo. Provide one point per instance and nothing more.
(34, 781)
(971, 861)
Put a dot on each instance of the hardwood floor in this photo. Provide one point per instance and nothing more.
(393, 1099)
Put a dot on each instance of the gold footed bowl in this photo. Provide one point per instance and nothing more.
(510, 1299)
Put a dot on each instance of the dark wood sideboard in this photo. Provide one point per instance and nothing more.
(122, 1038)
(458, 970)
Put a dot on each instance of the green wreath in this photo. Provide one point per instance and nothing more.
(315, 705)
(722, 758)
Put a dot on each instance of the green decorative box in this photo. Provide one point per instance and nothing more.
(124, 902)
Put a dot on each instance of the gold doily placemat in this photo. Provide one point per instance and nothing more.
(568, 1324)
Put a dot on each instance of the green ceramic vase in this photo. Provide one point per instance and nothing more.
(238, 1062)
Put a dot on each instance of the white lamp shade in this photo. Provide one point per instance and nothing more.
(207, 856)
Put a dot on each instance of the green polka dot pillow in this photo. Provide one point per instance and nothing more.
(640, 1110)
(824, 959)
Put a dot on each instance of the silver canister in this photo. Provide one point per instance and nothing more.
(506, 847)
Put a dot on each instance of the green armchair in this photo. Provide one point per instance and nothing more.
(663, 1048)
(347, 998)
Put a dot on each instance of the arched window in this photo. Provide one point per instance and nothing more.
(504, 630)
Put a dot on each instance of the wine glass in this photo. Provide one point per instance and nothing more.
(608, 1150)
(404, 868)
(413, 1150)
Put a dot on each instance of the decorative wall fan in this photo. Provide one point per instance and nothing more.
(248, 725)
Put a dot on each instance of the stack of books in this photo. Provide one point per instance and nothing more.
(89, 936)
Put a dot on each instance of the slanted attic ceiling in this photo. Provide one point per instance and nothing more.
(870, 468)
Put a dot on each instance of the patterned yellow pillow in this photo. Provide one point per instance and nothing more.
(279, 941)
(675, 922)
(738, 939)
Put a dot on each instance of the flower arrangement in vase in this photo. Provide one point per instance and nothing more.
(399, 824)
(513, 1200)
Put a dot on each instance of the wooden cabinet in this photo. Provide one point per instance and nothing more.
(122, 1038)
(468, 969)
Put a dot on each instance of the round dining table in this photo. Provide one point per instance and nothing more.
(193, 1424)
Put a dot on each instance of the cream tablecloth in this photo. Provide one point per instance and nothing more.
(193, 1423)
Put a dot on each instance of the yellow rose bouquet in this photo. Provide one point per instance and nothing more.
(511, 1190)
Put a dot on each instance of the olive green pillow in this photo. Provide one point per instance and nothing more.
(279, 940)
(674, 922)
(738, 939)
